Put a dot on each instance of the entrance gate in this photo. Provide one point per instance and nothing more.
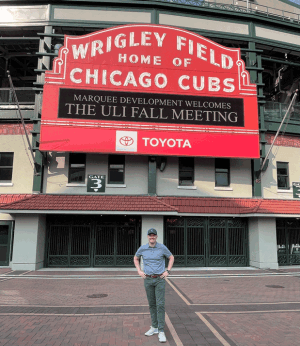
(5, 242)
(205, 242)
(115, 245)
(288, 241)
(93, 243)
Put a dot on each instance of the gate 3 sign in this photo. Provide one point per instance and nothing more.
(96, 183)
(149, 89)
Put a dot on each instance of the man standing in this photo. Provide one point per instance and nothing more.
(154, 274)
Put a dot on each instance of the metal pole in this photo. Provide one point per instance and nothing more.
(22, 120)
(277, 133)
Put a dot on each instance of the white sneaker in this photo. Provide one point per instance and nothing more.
(162, 337)
(151, 331)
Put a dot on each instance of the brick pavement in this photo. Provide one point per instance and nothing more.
(87, 273)
(235, 308)
(251, 329)
(5, 270)
(240, 289)
(72, 292)
(126, 330)
(175, 271)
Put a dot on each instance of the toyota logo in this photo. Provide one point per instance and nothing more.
(126, 141)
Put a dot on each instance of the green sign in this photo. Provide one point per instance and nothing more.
(296, 190)
(96, 183)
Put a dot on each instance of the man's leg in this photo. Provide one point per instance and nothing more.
(150, 291)
(160, 303)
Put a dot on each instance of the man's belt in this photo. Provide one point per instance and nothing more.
(154, 275)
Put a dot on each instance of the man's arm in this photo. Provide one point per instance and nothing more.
(136, 261)
(171, 262)
(170, 265)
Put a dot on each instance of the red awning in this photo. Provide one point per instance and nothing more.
(140, 204)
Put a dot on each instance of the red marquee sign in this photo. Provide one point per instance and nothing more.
(149, 89)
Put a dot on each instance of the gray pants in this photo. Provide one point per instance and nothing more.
(155, 290)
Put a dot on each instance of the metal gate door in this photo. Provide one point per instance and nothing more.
(115, 245)
(207, 241)
(92, 243)
(69, 246)
(228, 242)
(288, 241)
(5, 242)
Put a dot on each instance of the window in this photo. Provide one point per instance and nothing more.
(116, 169)
(77, 168)
(222, 172)
(186, 171)
(6, 167)
(283, 175)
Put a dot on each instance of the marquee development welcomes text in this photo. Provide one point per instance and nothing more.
(150, 108)
(154, 82)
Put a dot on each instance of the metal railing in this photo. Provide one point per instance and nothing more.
(241, 6)
(24, 95)
(277, 110)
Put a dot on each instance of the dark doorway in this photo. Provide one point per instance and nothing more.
(92, 241)
(288, 241)
(207, 241)
(5, 242)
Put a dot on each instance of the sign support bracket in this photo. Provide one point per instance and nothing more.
(266, 160)
(22, 120)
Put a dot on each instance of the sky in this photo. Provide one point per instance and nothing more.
(295, 1)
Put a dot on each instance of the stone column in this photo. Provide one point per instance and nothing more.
(29, 242)
(263, 243)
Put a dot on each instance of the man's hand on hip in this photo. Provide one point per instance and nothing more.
(141, 274)
(164, 275)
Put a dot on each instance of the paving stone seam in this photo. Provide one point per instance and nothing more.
(241, 310)
(186, 316)
(234, 276)
(28, 271)
(7, 279)
(174, 276)
(76, 311)
(68, 278)
(73, 315)
(248, 312)
(6, 273)
(15, 309)
(69, 306)
(173, 331)
(179, 292)
(238, 304)
(145, 305)
(219, 332)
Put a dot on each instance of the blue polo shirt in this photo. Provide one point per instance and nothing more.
(153, 258)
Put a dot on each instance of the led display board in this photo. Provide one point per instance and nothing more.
(150, 90)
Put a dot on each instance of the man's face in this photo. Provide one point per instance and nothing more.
(152, 238)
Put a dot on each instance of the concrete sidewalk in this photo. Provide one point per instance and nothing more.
(220, 307)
